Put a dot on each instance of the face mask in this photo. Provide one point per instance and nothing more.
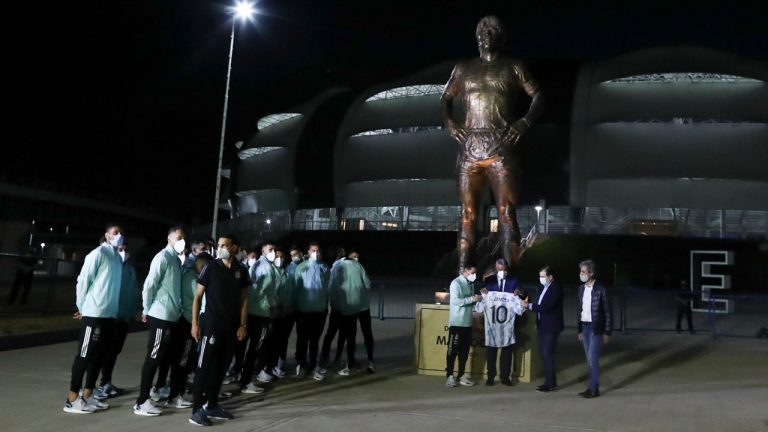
(501, 274)
(472, 277)
(296, 259)
(179, 245)
(278, 262)
(223, 253)
(583, 278)
(124, 255)
(543, 280)
(271, 256)
(117, 240)
(251, 261)
(313, 256)
(356, 258)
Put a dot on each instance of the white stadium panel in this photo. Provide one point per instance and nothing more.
(274, 119)
(668, 124)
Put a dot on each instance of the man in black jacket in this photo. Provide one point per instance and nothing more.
(595, 323)
(549, 323)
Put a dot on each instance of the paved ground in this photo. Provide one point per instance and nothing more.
(654, 381)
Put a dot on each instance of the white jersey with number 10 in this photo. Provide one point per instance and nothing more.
(499, 309)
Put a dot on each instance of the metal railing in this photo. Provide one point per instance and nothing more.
(51, 287)
(634, 309)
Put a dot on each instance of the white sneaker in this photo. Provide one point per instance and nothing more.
(278, 372)
(264, 377)
(322, 370)
(319, 375)
(79, 406)
(299, 372)
(344, 372)
(157, 394)
(231, 378)
(252, 388)
(101, 393)
(451, 381)
(465, 381)
(178, 402)
(97, 404)
(147, 409)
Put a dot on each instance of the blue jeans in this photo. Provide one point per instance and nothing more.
(592, 344)
(547, 342)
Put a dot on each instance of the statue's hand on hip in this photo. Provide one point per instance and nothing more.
(514, 132)
(457, 132)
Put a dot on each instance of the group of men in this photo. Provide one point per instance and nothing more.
(500, 300)
(216, 319)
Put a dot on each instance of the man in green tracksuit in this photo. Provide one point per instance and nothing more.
(351, 284)
(262, 302)
(126, 315)
(283, 323)
(97, 300)
(161, 301)
(311, 285)
(463, 298)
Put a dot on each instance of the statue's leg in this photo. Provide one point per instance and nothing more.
(503, 185)
(472, 181)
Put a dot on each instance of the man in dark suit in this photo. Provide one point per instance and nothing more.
(549, 323)
(595, 323)
(501, 281)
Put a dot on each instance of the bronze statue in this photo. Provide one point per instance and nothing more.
(488, 137)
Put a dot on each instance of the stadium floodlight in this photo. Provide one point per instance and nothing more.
(242, 10)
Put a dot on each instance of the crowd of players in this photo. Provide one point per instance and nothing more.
(216, 314)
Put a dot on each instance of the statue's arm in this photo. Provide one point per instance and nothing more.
(531, 88)
(452, 89)
(516, 130)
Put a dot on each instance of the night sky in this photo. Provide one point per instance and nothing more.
(125, 97)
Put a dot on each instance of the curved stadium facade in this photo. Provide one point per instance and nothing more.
(664, 141)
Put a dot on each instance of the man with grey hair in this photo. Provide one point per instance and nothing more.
(595, 322)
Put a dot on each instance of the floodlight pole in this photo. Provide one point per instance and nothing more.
(223, 133)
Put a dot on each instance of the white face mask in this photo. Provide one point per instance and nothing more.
(583, 278)
(313, 256)
(251, 262)
(117, 240)
(472, 277)
(543, 281)
(501, 274)
(296, 259)
(179, 245)
(271, 256)
(278, 262)
(223, 253)
(124, 255)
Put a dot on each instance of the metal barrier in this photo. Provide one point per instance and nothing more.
(51, 287)
(633, 308)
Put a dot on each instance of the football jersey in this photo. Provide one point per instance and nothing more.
(499, 309)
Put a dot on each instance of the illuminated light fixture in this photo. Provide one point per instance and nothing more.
(408, 91)
(690, 77)
(274, 119)
(255, 151)
(374, 132)
(397, 130)
(244, 10)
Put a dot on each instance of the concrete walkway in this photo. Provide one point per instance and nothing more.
(651, 382)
